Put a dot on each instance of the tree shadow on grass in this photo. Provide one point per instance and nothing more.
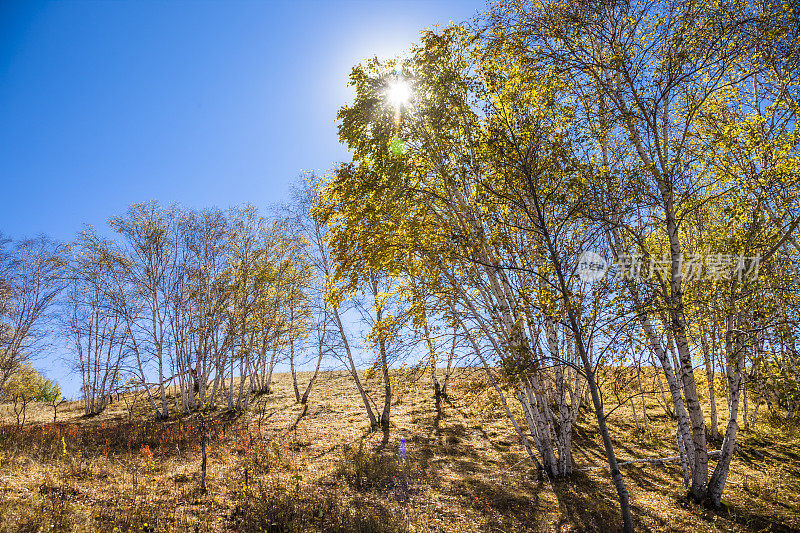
(750, 519)
(587, 505)
(506, 508)
(483, 485)
(649, 478)
(665, 479)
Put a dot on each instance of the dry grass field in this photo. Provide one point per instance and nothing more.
(463, 472)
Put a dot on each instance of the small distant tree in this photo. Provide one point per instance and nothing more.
(49, 391)
(27, 385)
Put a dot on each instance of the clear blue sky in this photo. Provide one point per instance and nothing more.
(106, 103)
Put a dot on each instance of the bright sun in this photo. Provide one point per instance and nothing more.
(398, 93)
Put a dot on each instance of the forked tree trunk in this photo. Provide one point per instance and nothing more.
(745, 413)
(387, 387)
(437, 389)
(320, 352)
(641, 394)
(710, 377)
(384, 361)
(351, 367)
(735, 366)
(449, 370)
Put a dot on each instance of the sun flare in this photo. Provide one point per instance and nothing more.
(398, 93)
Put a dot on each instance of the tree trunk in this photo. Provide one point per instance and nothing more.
(387, 387)
(641, 394)
(616, 475)
(383, 357)
(294, 374)
(373, 422)
(437, 389)
(710, 377)
(320, 351)
(736, 366)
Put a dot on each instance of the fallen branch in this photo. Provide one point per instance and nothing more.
(711, 455)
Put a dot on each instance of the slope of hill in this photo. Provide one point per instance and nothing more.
(280, 467)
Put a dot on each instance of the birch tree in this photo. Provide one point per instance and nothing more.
(149, 268)
(95, 327)
(32, 275)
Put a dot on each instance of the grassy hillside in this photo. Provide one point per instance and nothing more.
(464, 471)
